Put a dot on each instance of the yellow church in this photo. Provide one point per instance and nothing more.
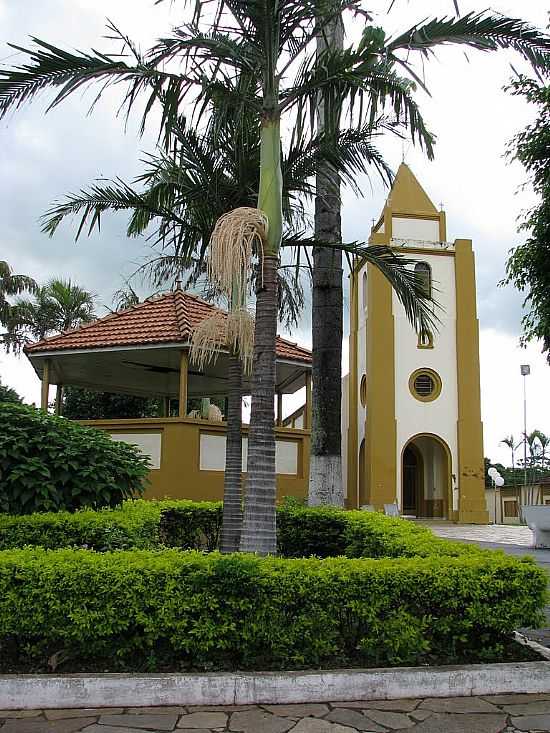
(412, 432)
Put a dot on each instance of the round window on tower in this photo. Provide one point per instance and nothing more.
(425, 385)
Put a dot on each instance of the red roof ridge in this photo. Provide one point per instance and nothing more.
(101, 319)
(153, 323)
(291, 343)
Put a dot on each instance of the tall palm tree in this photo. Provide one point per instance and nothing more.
(57, 306)
(181, 196)
(273, 44)
(10, 285)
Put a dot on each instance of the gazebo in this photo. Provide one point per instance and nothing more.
(144, 351)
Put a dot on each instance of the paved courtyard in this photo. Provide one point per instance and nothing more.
(490, 714)
(503, 534)
(513, 540)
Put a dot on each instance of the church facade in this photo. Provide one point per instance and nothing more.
(412, 431)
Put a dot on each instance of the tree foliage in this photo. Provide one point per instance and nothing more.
(83, 404)
(528, 264)
(10, 285)
(57, 306)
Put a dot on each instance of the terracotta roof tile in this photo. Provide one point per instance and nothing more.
(164, 319)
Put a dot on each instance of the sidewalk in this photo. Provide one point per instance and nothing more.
(490, 714)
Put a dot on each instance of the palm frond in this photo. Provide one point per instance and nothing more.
(51, 67)
(484, 31)
(357, 81)
(420, 311)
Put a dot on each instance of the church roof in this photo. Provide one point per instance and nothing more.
(407, 195)
(170, 318)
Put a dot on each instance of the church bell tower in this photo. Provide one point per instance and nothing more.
(412, 419)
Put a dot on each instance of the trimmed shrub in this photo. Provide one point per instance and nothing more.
(188, 525)
(189, 610)
(48, 463)
(134, 525)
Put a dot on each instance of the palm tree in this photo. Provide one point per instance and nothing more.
(185, 193)
(511, 443)
(11, 284)
(58, 306)
(272, 44)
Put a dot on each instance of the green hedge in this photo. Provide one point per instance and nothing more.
(188, 610)
(135, 525)
(302, 532)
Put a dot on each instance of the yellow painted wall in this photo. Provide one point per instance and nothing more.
(180, 477)
(472, 505)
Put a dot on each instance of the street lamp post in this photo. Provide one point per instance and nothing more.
(525, 371)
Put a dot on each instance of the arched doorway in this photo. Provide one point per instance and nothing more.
(426, 477)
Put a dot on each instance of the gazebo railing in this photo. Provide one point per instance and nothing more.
(187, 455)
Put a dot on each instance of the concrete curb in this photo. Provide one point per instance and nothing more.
(124, 690)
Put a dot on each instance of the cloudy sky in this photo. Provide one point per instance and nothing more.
(43, 157)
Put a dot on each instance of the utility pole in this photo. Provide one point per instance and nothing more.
(525, 371)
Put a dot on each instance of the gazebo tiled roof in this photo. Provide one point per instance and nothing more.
(164, 319)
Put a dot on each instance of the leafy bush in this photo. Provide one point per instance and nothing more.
(134, 525)
(48, 463)
(83, 404)
(191, 525)
(188, 610)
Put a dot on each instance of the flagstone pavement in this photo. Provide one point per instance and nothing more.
(489, 714)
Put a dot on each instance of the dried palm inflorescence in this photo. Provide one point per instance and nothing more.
(209, 338)
(240, 336)
(231, 249)
(234, 331)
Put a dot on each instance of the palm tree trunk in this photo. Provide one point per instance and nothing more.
(325, 470)
(232, 508)
(58, 399)
(259, 526)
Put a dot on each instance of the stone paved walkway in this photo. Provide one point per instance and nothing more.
(490, 714)
(504, 534)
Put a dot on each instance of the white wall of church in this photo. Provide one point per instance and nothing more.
(438, 417)
(421, 229)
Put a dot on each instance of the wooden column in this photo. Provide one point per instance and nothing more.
(58, 399)
(184, 375)
(279, 408)
(307, 413)
(45, 385)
